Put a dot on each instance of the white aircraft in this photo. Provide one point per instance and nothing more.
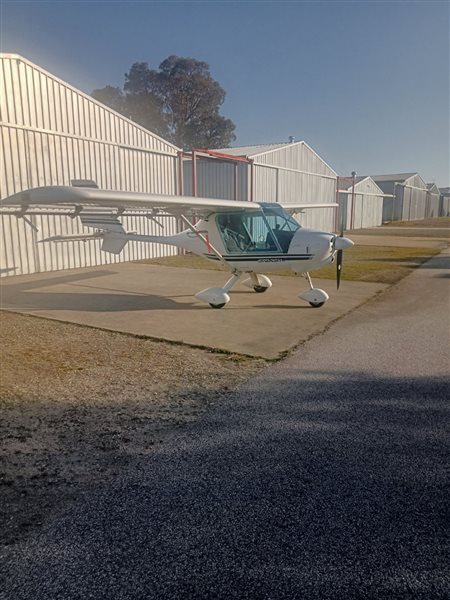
(247, 237)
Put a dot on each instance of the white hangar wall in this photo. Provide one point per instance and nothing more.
(215, 179)
(367, 210)
(284, 173)
(409, 199)
(51, 134)
(433, 197)
(294, 172)
(444, 202)
(414, 199)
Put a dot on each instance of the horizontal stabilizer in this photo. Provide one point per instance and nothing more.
(72, 238)
(113, 243)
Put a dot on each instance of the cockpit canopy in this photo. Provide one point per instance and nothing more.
(270, 230)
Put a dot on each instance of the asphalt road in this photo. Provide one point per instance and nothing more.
(324, 478)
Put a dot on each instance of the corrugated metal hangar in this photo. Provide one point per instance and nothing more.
(444, 202)
(408, 196)
(362, 205)
(52, 134)
(432, 207)
(289, 172)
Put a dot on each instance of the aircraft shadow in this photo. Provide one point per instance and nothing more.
(37, 301)
(20, 296)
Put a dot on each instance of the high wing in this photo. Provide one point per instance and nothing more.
(81, 198)
(100, 210)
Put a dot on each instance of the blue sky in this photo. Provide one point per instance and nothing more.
(365, 83)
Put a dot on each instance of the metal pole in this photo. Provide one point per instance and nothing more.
(338, 209)
(277, 185)
(362, 210)
(194, 174)
(393, 201)
(252, 167)
(235, 190)
(180, 174)
(353, 200)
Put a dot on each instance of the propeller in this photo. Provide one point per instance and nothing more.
(339, 259)
(339, 244)
(339, 256)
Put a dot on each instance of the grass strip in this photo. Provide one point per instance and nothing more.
(376, 264)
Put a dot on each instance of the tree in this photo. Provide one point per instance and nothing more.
(141, 107)
(111, 96)
(180, 101)
(191, 99)
(142, 104)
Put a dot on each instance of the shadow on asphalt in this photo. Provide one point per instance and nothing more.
(337, 493)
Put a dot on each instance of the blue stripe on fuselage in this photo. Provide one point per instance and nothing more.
(260, 257)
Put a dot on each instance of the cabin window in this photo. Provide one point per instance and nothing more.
(247, 232)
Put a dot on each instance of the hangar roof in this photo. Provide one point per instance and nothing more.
(393, 177)
(345, 184)
(256, 150)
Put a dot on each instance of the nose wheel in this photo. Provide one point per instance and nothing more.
(314, 296)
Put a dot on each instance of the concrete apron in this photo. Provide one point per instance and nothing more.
(158, 302)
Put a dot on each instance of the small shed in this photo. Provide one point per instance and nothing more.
(362, 206)
(285, 172)
(408, 196)
(432, 205)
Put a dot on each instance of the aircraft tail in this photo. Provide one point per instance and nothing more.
(110, 230)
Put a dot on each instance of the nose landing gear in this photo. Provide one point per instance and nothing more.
(314, 296)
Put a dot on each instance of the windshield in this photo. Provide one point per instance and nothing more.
(281, 223)
(270, 230)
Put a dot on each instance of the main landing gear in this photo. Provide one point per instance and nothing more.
(315, 296)
(259, 283)
(219, 297)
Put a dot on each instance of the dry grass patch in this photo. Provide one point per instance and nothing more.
(79, 404)
(427, 223)
(433, 229)
(377, 264)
